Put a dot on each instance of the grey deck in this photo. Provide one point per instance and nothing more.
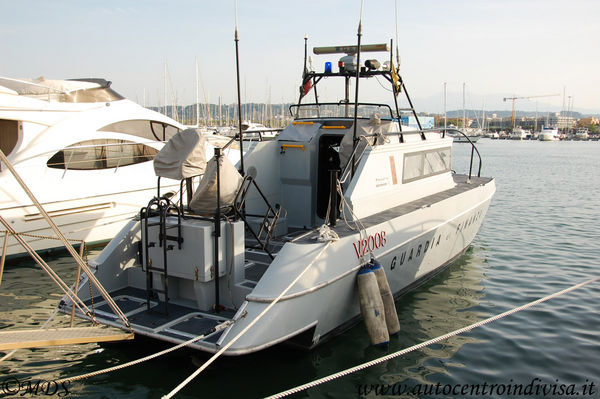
(132, 301)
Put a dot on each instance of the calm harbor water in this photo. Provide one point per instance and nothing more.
(540, 235)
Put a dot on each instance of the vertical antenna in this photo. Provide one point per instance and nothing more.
(397, 41)
(359, 34)
(237, 64)
(305, 52)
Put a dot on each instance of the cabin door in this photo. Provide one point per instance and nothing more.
(329, 159)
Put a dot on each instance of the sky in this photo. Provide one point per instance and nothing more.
(497, 48)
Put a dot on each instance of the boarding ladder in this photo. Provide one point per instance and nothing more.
(160, 207)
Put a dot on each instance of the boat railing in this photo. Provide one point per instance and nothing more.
(341, 109)
(473, 149)
(357, 157)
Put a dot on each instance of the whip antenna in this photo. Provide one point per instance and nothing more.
(355, 140)
(239, 96)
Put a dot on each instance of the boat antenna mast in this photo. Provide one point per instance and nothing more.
(354, 139)
(305, 53)
(239, 95)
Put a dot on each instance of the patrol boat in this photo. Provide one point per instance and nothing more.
(268, 251)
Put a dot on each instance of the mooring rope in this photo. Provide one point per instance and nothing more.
(382, 359)
(133, 362)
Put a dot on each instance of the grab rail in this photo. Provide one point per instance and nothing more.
(473, 150)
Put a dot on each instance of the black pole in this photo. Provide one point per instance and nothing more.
(239, 95)
(305, 55)
(347, 97)
(217, 233)
(412, 107)
(354, 139)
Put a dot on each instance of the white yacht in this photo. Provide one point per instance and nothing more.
(549, 134)
(85, 152)
(275, 257)
(518, 134)
(251, 131)
(464, 135)
(582, 134)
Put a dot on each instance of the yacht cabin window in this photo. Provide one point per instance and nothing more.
(422, 164)
(101, 154)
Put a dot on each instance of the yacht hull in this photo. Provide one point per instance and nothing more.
(93, 219)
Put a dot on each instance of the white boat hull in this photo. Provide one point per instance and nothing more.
(409, 257)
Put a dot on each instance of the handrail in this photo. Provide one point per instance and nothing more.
(473, 149)
(346, 172)
(340, 103)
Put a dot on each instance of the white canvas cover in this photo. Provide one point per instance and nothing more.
(204, 199)
(365, 128)
(183, 156)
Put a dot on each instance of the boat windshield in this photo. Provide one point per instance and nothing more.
(339, 110)
(64, 91)
(101, 94)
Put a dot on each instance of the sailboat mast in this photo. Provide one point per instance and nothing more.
(464, 111)
(197, 96)
(165, 88)
(445, 116)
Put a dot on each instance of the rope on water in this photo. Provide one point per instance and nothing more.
(354, 369)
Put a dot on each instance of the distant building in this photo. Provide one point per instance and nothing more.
(561, 121)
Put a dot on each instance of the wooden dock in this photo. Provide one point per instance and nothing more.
(39, 338)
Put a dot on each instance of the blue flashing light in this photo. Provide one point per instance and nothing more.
(328, 67)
